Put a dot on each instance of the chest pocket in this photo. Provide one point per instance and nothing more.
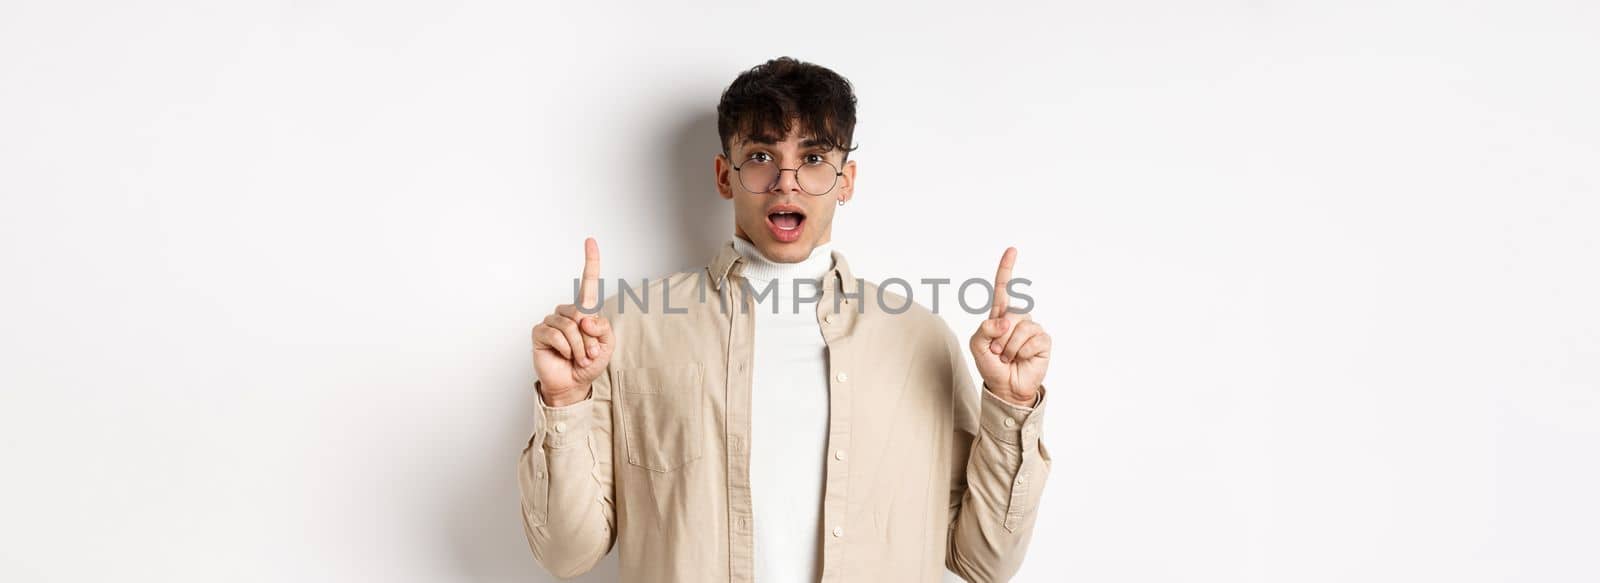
(661, 414)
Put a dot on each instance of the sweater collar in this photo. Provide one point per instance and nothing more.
(759, 268)
(728, 261)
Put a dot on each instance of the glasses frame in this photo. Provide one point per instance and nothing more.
(777, 178)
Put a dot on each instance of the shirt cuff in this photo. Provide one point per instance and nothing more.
(1010, 422)
(566, 425)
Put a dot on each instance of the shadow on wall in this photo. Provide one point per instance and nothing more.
(483, 530)
(701, 218)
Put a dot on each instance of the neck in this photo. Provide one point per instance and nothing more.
(758, 267)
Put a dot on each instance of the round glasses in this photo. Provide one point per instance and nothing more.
(815, 176)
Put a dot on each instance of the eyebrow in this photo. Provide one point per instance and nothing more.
(806, 143)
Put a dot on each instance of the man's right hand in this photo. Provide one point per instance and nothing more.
(570, 348)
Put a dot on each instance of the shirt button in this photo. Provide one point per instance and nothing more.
(1022, 478)
(561, 426)
(838, 454)
(1010, 422)
(843, 377)
(828, 318)
(541, 474)
(838, 532)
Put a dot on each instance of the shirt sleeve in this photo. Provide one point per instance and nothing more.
(998, 473)
(566, 482)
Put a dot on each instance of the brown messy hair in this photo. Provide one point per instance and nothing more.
(761, 103)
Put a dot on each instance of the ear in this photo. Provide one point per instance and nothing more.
(724, 176)
(847, 183)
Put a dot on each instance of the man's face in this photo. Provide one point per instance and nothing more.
(784, 223)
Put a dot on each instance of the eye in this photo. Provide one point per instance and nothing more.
(761, 157)
(815, 159)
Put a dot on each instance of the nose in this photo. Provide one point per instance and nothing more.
(788, 182)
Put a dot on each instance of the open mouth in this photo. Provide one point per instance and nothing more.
(786, 223)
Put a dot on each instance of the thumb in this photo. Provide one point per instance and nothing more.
(988, 331)
(994, 328)
(597, 327)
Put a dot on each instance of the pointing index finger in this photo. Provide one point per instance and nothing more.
(1002, 276)
(589, 289)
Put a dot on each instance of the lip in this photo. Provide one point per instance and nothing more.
(781, 234)
(786, 208)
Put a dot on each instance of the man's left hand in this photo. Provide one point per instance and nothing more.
(1012, 351)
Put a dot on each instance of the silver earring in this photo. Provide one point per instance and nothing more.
(841, 202)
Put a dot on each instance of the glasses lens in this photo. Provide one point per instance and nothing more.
(816, 178)
(758, 176)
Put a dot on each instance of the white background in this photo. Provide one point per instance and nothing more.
(1321, 275)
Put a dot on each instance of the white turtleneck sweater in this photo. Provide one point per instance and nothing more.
(788, 417)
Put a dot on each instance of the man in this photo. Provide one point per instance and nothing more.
(726, 430)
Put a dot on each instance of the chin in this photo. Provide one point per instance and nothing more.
(787, 252)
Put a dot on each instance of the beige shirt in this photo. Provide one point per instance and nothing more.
(925, 472)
